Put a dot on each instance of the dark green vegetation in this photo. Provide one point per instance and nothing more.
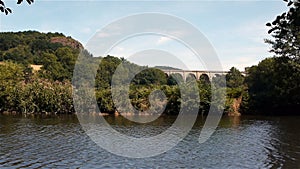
(274, 84)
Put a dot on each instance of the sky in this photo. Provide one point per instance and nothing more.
(235, 29)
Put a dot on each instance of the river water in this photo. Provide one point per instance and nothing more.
(239, 142)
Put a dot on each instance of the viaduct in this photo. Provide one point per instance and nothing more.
(197, 73)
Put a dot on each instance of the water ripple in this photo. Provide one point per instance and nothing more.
(60, 142)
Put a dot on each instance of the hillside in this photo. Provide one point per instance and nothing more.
(36, 70)
(54, 51)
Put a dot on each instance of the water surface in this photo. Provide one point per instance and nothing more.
(60, 142)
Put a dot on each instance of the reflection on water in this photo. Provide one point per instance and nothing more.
(239, 142)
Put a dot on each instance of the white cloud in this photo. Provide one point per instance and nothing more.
(163, 40)
(86, 30)
(103, 35)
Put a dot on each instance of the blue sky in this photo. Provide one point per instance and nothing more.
(236, 29)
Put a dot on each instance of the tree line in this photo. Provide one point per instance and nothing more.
(271, 87)
(50, 90)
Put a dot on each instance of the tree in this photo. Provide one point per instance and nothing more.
(205, 89)
(52, 68)
(7, 10)
(67, 59)
(174, 79)
(10, 75)
(150, 76)
(285, 30)
(274, 86)
(105, 71)
(234, 78)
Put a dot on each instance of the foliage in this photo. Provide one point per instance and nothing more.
(41, 96)
(174, 78)
(104, 100)
(150, 76)
(285, 30)
(205, 95)
(105, 71)
(234, 85)
(10, 75)
(274, 86)
(31, 47)
(274, 83)
(37, 95)
(234, 78)
(7, 10)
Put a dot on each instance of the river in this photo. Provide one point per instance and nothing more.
(239, 142)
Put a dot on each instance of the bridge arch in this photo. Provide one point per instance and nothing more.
(204, 77)
(190, 76)
(173, 78)
(219, 80)
(198, 73)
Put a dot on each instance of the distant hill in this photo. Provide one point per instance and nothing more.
(54, 53)
(53, 56)
(66, 41)
(166, 68)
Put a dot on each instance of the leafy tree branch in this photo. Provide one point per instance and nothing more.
(6, 10)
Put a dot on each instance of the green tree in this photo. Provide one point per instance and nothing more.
(205, 94)
(67, 58)
(105, 71)
(150, 76)
(10, 75)
(174, 79)
(274, 83)
(219, 80)
(285, 30)
(234, 78)
(274, 86)
(52, 69)
(20, 54)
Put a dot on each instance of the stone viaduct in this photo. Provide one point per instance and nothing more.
(197, 73)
